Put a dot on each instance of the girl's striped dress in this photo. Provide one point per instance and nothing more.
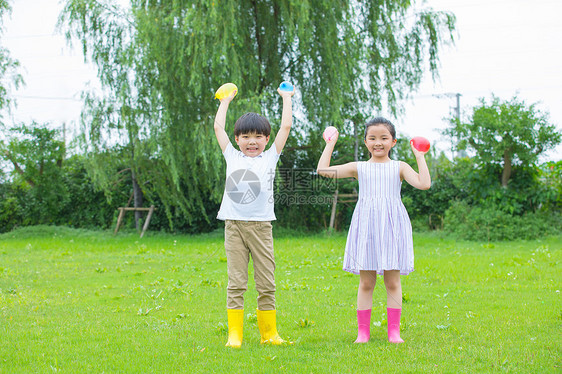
(380, 234)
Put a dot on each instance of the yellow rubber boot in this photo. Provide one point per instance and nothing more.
(235, 327)
(267, 323)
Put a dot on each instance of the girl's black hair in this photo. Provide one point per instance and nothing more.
(381, 121)
(384, 122)
(252, 123)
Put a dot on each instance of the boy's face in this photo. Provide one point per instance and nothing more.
(252, 144)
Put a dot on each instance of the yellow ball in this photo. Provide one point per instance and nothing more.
(226, 90)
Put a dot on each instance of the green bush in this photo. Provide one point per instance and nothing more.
(492, 224)
(75, 202)
(10, 210)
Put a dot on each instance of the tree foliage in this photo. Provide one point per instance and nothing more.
(9, 76)
(161, 61)
(506, 133)
(37, 155)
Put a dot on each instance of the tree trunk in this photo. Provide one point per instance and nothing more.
(506, 172)
(356, 147)
(137, 198)
(18, 169)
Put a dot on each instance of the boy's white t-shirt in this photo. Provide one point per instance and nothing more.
(248, 191)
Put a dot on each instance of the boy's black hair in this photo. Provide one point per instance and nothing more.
(252, 123)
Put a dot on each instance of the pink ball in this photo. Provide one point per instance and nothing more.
(329, 133)
(420, 143)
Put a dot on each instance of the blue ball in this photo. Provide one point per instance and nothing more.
(286, 86)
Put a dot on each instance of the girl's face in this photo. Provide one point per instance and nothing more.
(379, 142)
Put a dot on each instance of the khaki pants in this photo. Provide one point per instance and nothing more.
(242, 238)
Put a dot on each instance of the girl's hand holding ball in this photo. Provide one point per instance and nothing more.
(420, 143)
(331, 133)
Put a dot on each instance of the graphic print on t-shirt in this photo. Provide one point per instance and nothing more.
(243, 186)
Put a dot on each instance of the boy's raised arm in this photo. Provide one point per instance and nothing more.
(220, 122)
(286, 120)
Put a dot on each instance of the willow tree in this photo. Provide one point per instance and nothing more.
(9, 76)
(160, 62)
(9, 79)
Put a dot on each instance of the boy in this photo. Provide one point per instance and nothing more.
(247, 209)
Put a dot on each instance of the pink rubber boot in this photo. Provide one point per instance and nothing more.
(393, 316)
(363, 326)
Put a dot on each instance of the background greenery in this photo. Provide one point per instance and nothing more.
(73, 300)
(466, 199)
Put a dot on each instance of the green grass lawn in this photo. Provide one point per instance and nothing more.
(80, 301)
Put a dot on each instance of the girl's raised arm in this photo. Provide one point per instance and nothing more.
(324, 169)
(421, 180)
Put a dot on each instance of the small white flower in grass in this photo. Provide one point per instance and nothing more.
(377, 323)
(251, 317)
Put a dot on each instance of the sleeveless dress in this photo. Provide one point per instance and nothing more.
(380, 234)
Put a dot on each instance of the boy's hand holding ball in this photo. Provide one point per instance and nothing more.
(286, 89)
(227, 90)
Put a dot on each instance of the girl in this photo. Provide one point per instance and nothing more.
(380, 234)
